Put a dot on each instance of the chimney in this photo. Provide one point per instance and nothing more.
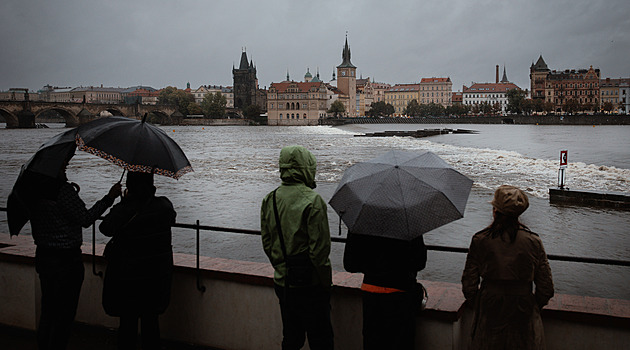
(497, 74)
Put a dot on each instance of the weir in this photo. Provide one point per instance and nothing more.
(228, 304)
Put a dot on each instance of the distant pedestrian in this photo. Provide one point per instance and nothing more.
(507, 258)
(295, 232)
(57, 215)
(137, 285)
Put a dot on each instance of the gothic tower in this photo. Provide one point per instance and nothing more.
(347, 80)
(245, 83)
(537, 78)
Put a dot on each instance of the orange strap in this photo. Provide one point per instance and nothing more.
(378, 289)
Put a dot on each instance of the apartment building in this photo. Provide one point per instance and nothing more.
(200, 93)
(400, 95)
(581, 85)
(436, 90)
(491, 93)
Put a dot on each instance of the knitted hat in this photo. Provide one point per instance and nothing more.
(510, 200)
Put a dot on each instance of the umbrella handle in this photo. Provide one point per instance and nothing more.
(122, 176)
(340, 223)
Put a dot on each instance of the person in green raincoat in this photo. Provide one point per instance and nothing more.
(303, 289)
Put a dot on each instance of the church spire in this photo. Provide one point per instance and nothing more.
(504, 79)
(345, 56)
(244, 64)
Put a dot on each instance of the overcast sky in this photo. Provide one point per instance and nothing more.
(122, 43)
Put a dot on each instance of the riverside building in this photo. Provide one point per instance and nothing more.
(494, 94)
(296, 103)
(436, 90)
(400, 95)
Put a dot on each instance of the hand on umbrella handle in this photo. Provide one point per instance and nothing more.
(115, 191)
(122, 176)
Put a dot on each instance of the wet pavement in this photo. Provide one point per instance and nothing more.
(83, 337)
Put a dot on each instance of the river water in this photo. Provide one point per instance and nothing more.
(234, 167)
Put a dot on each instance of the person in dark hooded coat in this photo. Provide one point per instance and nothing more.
(504, 261)
(137, 283)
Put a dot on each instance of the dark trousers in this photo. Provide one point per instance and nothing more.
(149, 331)
(389, 320)
(61, 276)
(305, 312)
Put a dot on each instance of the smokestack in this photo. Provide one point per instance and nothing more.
(497, 74)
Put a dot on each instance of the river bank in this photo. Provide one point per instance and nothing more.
(595, 119)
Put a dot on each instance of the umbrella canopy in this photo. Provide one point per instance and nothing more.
(52, 154)
(134, 145)
(400, 195)
(36, 175)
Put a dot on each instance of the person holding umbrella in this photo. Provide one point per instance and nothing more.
(388, 203)
(296, 239)
(507, 257)
(137, 283)
(57, 215)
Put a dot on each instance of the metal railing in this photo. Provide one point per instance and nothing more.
(197, 227)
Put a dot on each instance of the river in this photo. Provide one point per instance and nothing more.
(235, 166)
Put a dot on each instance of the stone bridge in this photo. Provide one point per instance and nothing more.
(22, 114)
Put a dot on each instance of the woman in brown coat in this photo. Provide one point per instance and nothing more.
(507, 258)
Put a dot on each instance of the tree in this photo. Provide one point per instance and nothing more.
(528, 106)
(571, 106)
(194, 108)
(380, 109)
(515, 100)
(549, 107)
(413, 108)
(179, 98)
(336, 108)
(251, 111)
(434, 109)
(457, 109)
(538, 105)
(213, 105)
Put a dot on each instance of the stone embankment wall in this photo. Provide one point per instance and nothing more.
(596, 119)
(215, 122)
(239, 309)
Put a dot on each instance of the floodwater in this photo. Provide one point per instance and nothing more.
(236, 166)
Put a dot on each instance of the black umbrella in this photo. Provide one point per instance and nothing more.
(400, 195)
(134, 145)
(36, 177)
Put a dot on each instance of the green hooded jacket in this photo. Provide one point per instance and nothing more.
(303, 217)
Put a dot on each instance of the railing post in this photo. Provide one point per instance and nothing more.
(96, 273)
(200, 287)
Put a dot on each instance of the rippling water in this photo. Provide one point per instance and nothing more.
(236, 166)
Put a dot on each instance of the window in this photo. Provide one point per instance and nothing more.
(280, 115)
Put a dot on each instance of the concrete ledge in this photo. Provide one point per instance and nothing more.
(239, 309)
(586, 197)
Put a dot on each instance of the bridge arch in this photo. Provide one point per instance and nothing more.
(114, 111)
(9, 118)
(71, 119)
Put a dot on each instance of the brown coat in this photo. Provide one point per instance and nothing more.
(507, 314)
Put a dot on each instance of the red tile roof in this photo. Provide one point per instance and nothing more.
(489, 87)
(435, 80)
(302, 86)
(404, 87)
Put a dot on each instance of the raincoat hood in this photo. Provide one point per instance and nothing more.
(297, 165)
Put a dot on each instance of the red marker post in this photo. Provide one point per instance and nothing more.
(564, 160)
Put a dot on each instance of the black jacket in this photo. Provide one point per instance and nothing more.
(140, 261)
(385, 262)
